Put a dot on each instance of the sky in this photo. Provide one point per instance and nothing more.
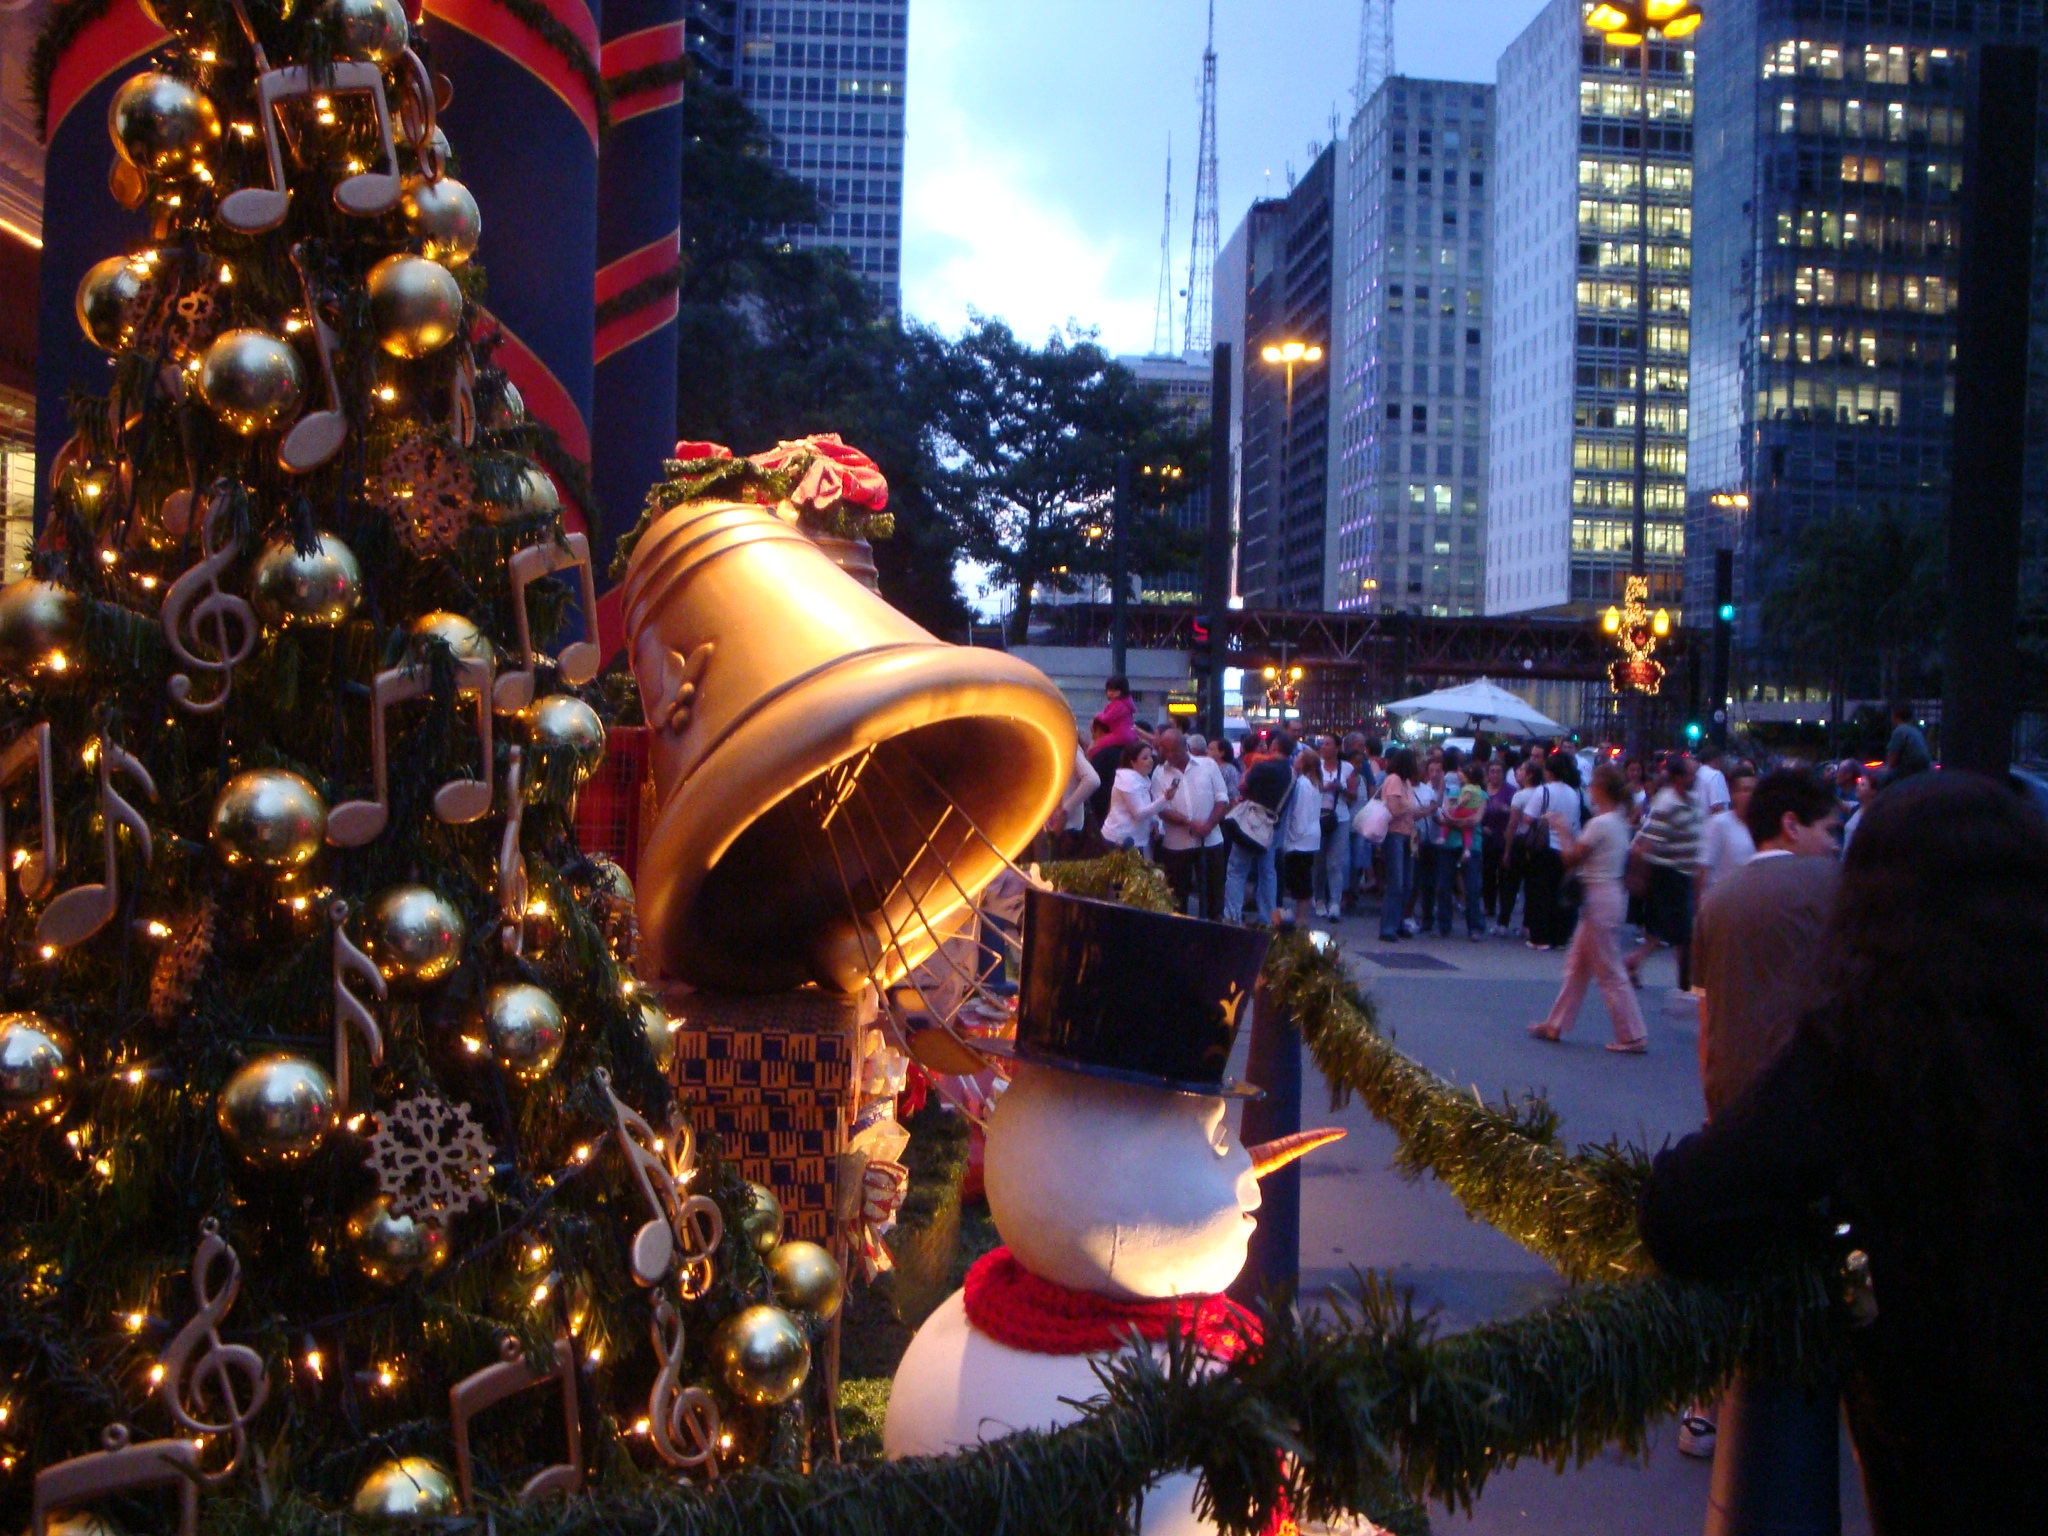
(1035, 151)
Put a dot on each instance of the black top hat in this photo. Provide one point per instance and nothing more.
(1134, 996)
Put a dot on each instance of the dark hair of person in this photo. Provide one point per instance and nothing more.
(1128, 758)
(1936, 964)
(1401, 761)
(1453, 759)
(1373, 746)
(1798, 790)
(1561, 767)
(1608, 780)
(1117, 683)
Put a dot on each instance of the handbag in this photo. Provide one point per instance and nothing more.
(1373, 820)
(1535, 837)
(1636, 873)
(1249, 825)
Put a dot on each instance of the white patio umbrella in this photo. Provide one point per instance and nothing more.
(1476, 706)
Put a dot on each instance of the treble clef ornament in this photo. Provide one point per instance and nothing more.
(682, 1421)
(685, 1230)
(208, 618)
(200, 1373)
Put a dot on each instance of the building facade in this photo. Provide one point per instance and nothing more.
(1290, 274)
(1410, 445)
(829, 83)
(1568, 222)
(1186, 384)
(1828, 194)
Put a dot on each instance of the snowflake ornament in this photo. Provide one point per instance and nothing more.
(430, 1158)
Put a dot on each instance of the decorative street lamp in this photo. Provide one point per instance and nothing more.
(1631, 24)
(1288, 354)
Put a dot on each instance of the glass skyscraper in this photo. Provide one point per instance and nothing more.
(1410, 451)
(1568, 223)
(1828, 191)
(828, 80)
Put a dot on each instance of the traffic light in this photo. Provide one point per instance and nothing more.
(1692, 732)
(1725, 613)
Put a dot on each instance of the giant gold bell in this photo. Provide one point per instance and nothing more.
(827, 771)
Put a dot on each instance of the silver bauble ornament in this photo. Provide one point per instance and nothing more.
(111, 298)
(251, 381)
(806, 1278)
(762, 1221)
(415, 935)
(35, 1069)
(409, 1491)
(762, 1356)
(366, 29)
(443, 217)
(510, 409)
(457, 633)
(39, 629)
(390, 1249)
(314, 590)
(268, 817)
(415, 305)
(525, 1028)
(563, 726)
(162, 125)
(277, 1110)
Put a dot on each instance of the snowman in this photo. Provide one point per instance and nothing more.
(1122, 1195)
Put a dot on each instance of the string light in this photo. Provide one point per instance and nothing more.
(387, 1376)
(540, 1293)
(386, 393)
(57, 661)
(107, 556)
(156, 929)
(641, 1426)
(135, 1076)
(314, 1363)
(471, 1044)
(134, 1321)
(156, 1375)
(583, 1154)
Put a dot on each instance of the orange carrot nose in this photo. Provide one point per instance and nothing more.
(1268, 1156)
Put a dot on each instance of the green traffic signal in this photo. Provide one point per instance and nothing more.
(1692, 731)
(1726, 613)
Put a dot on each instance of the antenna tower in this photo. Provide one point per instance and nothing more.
(1196, 329)
(1375, 49)
(1162, 311)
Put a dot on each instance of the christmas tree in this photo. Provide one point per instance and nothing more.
(333, 1115)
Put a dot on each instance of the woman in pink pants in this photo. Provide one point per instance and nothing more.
(1600, 854)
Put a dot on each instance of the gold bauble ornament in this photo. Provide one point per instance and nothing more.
(525, 1029)
(39, 628)
(562, 725)
(443, 217)
(251, 380)
(35, 1069)
(415, 305)
(366, 29)
(111, 299)
(660, 1031)
(415, 935)
(315, 590)
(269, 817)
(762, 1222)
(409, 1491)
(763, 1356)
(162, 125)
(457, 633)
(535, 496)
(390, 1249)
(277, 1110)
(806, 1278)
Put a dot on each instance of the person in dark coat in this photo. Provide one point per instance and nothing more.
(1908, 1120)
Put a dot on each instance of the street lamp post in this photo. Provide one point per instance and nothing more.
(1288, 354)
(1631, 24)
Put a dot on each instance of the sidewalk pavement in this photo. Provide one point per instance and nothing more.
(1461, 1009)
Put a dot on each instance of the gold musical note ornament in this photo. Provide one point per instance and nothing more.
(682, 1421)
(684, 1231)
(578, 661)
(36, 868)
(203, 1378)
(349, 1010)
(458, 802)
(507, 1379)
(211, 617)
(84, 910)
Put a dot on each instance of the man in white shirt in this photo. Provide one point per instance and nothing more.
(1710, 785)
(1191, 824)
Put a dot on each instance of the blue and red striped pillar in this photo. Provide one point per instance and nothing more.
(524, 128)
(639, 244)
(82, 223)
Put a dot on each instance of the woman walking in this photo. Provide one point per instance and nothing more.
(1397, 793)
(1600, 854)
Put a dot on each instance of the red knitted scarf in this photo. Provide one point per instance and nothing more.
(1015, 1307)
